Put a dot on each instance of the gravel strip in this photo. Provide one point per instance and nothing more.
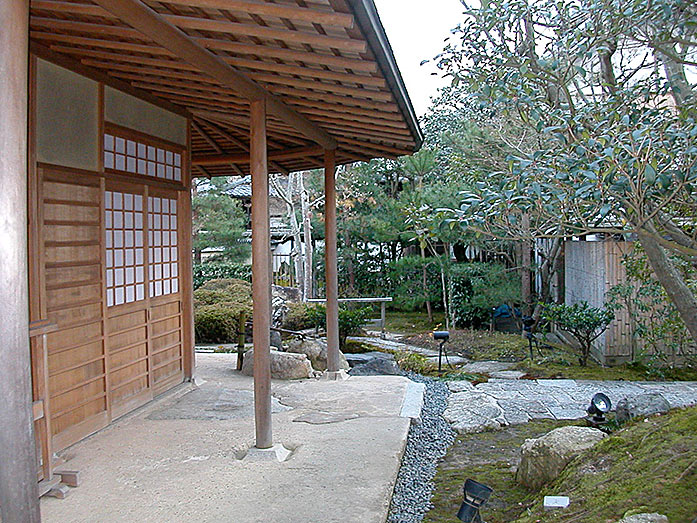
(427, 442)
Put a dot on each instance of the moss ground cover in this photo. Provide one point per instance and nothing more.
(647, 466)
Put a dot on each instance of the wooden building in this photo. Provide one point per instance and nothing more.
(107, 110)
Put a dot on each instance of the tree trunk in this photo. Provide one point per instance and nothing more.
(424, 283)
(349, 263)
(671, 280)
(197, 255)
(307, 240)
(526, 263)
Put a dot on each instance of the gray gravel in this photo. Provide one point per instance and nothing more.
(427, 442)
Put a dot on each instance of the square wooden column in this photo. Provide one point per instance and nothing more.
(330, 264)
(261, 275)
(19, 501)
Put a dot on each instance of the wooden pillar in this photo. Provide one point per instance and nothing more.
(330, 269)
(261, 275)
(19, 501)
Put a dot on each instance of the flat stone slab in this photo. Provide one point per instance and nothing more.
(508, 374)
(503, 401)
(413, 401)
(486, 367)
(450, 360)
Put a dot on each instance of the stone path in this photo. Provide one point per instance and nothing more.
(501, 402)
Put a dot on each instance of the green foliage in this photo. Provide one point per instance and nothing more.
(217, 308)
(301, 316)
(307, 316)
(204, 272)
(584, 322)
(218, 221)
(479, 287)
(404, 278)
(660, 337)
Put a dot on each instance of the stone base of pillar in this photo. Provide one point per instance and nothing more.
(334, 375)
(276, 453)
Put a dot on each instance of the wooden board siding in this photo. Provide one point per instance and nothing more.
(70, 232)
(103, 359)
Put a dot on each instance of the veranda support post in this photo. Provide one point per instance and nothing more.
(331, 283)
(261, 275)
(18, 466)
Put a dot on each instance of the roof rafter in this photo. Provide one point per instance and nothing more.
(155, 27)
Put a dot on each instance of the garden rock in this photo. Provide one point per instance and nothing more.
(543, 459)
(284, 365)
(645, 518)
(469, 412)
(641, 406)
(316, 351)
(365, 357)
(275, 340)
(377, 367)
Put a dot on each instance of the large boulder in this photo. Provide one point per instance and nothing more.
(641, 406)
(280, 297)
(543, 459)
(316, 352)
(377, 366)
(284, 365)
(645, 518)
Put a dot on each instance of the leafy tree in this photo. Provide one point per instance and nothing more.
(218, 222)
(602, 86)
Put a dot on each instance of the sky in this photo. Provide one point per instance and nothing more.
(417, 30)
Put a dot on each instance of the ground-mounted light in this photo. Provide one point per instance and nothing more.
(475, 495)
(441, 336)
(600, 405)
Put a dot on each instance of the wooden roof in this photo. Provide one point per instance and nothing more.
(325, 67)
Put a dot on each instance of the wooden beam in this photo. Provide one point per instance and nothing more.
(236, 141)
(268, 33)
(223, 159)
(19, 498)
(151, 24)
(99, 76)
(98, 42)
(261, 276)
(330, 263)
(353, 64)
(213, 144)
(289, 12)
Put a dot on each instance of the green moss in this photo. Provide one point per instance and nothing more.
(490, 458)
(649, 466)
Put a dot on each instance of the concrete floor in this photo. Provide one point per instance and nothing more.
(178, 459)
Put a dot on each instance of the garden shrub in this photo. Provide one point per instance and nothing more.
(217, 308)
(584, 322)
(479, 287)
(309, 315)
(204, 272)
(302, 316)
(405, 282)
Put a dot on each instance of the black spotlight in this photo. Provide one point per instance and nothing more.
(600, 405)
(443, 336)
(475, 495)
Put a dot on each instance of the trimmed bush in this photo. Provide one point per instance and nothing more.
(479, 287)
(204, 272)
(302, 316)
(217, 308)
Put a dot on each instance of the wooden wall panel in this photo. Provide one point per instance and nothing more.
(71, 235)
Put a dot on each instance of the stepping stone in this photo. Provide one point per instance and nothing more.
(508, 374)
(453, 360)
(486, 367)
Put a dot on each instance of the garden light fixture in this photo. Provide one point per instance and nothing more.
(600, 405)
(475, 495)
(443, 336)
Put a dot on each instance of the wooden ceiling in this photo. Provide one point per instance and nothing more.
(325, 64)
